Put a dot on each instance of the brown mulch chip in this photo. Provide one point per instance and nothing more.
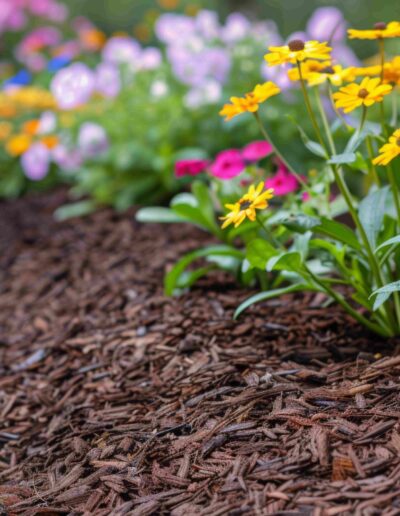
(115, 399)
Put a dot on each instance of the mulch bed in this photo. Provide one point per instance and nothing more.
(117, 400)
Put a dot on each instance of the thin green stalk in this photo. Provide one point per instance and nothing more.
(356, 315)
(324, 119)
(264, 132)
(309, 108)
(395, 189)
(271, 239)
(372, 168)
(339, 114)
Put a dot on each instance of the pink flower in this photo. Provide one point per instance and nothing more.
(257, 150)
(228, 164)
(283, 182)
(190, 167)
(305, 196)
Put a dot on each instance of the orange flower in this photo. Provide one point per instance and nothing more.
(31, 127)
(50, 141)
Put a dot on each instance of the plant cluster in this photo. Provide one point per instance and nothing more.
(334, 229)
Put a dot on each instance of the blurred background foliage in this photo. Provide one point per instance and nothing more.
(137, 16)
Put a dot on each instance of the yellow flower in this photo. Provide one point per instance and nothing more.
(365, 94)
(390, 150)
(18, 144)
(297, 50)
(254, 199)
(380, 30)
(391, 71)
(251, 101)
(5, 130)
(317, 72)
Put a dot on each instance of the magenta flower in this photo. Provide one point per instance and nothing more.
(228, 164)
(190, 167)
(283, 182)
(35, 162)
(257, 150)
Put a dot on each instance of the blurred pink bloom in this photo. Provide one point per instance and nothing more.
(67, 159)
(257, 150)
(283, 182)
(73, 86)
(228, 164)
(305, 196)
(35, 162)
(108, 81)
(190, 167)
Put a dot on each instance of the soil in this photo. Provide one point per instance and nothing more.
(115, 399)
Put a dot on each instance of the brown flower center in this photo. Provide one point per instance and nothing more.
(380, 26)
(328, 69)
(296, 45)
(363, 93)
(398, 141)
(244, 205)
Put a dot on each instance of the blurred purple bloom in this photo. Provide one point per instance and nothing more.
(277, 74)
(237, 27)
(47, 122)
(35, 162)
(73, 86)
(92, 140)
(218, 63)
(207, 24)
(298, 35)
(150, 59)
(170, 27)
(345, 55)
(327, 24)
(108, 81)
(210, 92)
(67, 159)
(121, 50)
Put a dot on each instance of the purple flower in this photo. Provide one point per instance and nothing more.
(73, 86)
(210, 92)
(150, 59)
(277, 74)
(92, 140)
(218, 63)
(170, 27)
(67, 159)
(207, 24)
(327, 24)
(236, 28)
(108, 81)
(121, 50)
(36, 162)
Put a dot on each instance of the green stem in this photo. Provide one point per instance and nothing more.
(324, 119)
(395, 189)
(372, 168)
(271, 239)
(309, 108)
(264, 132)
(356, 315)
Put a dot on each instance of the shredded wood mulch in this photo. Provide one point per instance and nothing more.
(117, 400)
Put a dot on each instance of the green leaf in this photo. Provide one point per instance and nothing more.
(342, 159)
(172, 279)
(202, 195)
(392, 241)
(289, 261)
(158, 214)
(384, 293)
(371, 213)
(76, 209)
(331, 228)
(314, 147)
(264, 296)
(259, 252)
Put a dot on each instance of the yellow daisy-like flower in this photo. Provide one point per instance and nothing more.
(390, 150)
(18, 144)
(317, 72)
(245, 208)
(380, 30)
(298, 50)
(391, 71)
(5, 130)
(251, 101)
(365, 94)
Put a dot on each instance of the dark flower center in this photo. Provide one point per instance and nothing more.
(398, 141)
(328, 69)
(245, 205)
(296, 45)
(380, 26)
(363, 93)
